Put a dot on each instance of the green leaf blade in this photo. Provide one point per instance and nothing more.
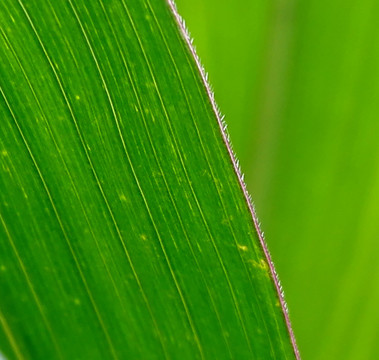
(128, 234)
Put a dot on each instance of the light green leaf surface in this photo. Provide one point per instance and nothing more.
(305, 127)
(124, 229)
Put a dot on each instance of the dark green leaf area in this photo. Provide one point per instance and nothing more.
(124, 230)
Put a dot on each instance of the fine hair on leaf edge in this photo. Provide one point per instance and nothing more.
(225, 135)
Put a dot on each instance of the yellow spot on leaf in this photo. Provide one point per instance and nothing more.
(242, 247)
(263, 265)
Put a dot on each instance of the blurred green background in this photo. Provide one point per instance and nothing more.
(298, 82)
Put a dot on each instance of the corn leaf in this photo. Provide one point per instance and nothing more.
(125, 227)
